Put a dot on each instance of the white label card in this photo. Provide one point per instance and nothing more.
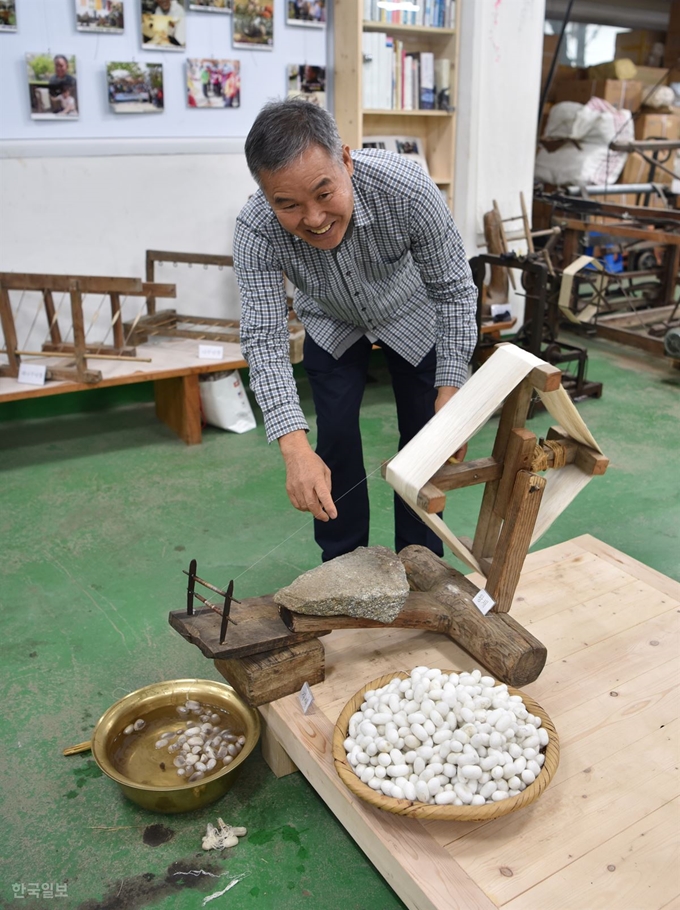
(483, 601)
(306, 698)
(32, 373)
(211, 352)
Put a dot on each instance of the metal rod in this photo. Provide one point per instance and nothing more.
(225, 611)
(206, 584)
(212, 606)
(190, 587)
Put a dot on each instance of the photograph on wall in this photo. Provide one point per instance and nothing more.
(213, 83)
(212, 6)
(135, 88)
(308, 82)
(410, 146)
(164, 25)
(253, 25)
(306, 12)
(8, 15)
(52, 86)
(100, 16)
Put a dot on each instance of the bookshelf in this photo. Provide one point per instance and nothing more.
(436, 129)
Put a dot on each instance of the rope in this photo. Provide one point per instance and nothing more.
(541, 460)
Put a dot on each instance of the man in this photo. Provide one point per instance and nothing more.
(176, 27)
(375, 256)
(60, 81)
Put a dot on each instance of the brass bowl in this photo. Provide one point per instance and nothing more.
(133, 761)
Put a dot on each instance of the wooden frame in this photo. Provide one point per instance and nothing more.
(76, 286)
(168, 323)
(518, 505)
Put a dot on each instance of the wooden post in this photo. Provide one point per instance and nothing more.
(78, 331)
(513, 415)
(515, 539)
(117, 321)
(519, 455)
(9, 331)
(178, 404)
(55, 333)
(151, 299)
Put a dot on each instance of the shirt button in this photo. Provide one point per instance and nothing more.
(356, 293)
(348, 274)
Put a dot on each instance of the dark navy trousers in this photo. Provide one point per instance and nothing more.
(337, 389)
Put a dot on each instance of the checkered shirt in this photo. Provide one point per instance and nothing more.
(400, 275)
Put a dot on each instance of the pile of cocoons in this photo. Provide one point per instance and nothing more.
(445, 739)
(202, 746)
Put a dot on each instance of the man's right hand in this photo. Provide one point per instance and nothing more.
(308, 479)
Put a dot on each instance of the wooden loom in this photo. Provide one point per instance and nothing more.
(76, 286)
(273, 651)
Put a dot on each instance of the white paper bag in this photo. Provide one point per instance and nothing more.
(225, 403)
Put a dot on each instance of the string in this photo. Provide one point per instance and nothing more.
(305, 525)
(95, 317)
(30, 331)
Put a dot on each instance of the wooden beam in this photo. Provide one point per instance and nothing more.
(194, 258)
(519, 454)
(515, 539)
(588, 460)
(178, 404)
(78, 323)
(48, 300)
(9, 331)
(87, 284)
(513, 415)
(618, 230)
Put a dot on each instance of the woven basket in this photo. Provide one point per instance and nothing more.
(441, 813)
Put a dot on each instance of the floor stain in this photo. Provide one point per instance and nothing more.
(155, 835)
(147, 889)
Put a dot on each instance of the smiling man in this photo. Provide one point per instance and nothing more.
(375, 257)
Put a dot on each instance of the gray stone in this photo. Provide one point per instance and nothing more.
(369, 582)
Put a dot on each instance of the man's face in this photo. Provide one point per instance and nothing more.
(164, 5)
(312, 198)
(60, 67)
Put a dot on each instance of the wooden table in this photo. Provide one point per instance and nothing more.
(605, 832)
(174, 370)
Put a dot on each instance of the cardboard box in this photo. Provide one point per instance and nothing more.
(620, 94)
(653, 75)
(638, 45)
(657, 126)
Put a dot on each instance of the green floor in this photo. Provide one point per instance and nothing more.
(99, 513)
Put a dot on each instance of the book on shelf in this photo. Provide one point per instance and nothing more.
(442, 84)
(428, 13)
(395, 80)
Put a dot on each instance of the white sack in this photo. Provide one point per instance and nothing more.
(224, 402)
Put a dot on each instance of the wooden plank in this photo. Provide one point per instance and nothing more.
(259, 629)
(425, 877)
(194, 258)
(168, 360)
(589, 460)
(467, 473)
(155, 289)
(619, 230)
(513, 543)
(613, 871)
(546, 378)
(88, 284)
(275, 755)
(627, 336)
(150, 300)
(196, 334)
(629, 564)
(261, 678)
(178, 404)
(567, 821)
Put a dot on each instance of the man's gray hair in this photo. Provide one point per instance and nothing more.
(283, 130)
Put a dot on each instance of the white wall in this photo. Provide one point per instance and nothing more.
(50, 26)
(94, 207)
(97, 215)
(499, 78)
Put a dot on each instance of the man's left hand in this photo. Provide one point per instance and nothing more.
(445, 393)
